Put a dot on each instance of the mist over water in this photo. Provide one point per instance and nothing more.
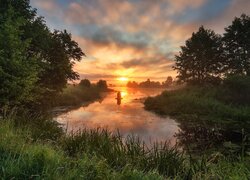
(128, 116)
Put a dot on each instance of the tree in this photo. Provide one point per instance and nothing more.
(57, 60)
(132, 84)
(237, 45)
(18, 70)
(102, 84)
(30, 41)
(168, 82)
(201, 59)
(85, 83)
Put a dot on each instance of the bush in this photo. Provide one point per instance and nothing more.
(238, 89)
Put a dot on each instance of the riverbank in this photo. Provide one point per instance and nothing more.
(75, 95)
(35, 147)
(210, 117)
(207, 104)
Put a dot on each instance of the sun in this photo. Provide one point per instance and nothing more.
(123, 79)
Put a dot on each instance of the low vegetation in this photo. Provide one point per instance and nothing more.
(224, 104)
(211, 117)
(99, 154)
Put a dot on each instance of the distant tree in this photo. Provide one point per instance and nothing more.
(237, 45)
(85, 83)
(132, 84)
(102, 84)
(168, 82)
(200, 60)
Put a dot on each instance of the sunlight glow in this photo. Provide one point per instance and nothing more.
(123, 94)
(123, 79)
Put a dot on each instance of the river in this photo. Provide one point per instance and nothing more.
(127, 116)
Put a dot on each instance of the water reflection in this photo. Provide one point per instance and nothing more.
(126, 115)
(119, 98)
(201, 137)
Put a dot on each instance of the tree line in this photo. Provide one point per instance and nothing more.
(151, 84)
(35, 62)
(101, 84)
(208, 57)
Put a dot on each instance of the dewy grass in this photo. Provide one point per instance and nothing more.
(118, 151)
(99, 154)
(21, 158)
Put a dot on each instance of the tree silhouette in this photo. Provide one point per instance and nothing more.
(85, 83)
(102, 84)
(168, 82)
(237, 45)
(200, 60)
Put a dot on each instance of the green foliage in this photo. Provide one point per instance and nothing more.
(18, 70)
(22, 157)
(237, 45)
(119, 152)
(208, 104)
(200, 59)
(35, 64)
(206, 57)
(238, 88)
(58, 60)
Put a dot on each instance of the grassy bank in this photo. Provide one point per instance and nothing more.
(211, 118)
(210, 105)
(47, 153)
(21, 158)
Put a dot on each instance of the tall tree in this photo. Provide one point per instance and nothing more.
(53, 52)
(200, 60)
(18, 70)
(237, 45)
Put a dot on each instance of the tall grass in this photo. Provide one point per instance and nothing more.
(99, 154)
(22, 158)
(119, 152)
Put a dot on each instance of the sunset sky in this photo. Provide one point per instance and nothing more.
(135, 39)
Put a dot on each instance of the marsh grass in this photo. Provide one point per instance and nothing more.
(119, 152)
(100, 154)
(22, 158)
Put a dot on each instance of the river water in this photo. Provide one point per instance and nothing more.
(127, 116)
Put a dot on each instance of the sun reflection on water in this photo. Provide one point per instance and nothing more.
(124, 94)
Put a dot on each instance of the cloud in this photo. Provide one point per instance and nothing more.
(235, 9)
(181, 5)
(136, 38)
(148, 62)
(47, 5)
(108, 35)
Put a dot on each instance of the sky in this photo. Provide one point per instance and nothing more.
(136, 39)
